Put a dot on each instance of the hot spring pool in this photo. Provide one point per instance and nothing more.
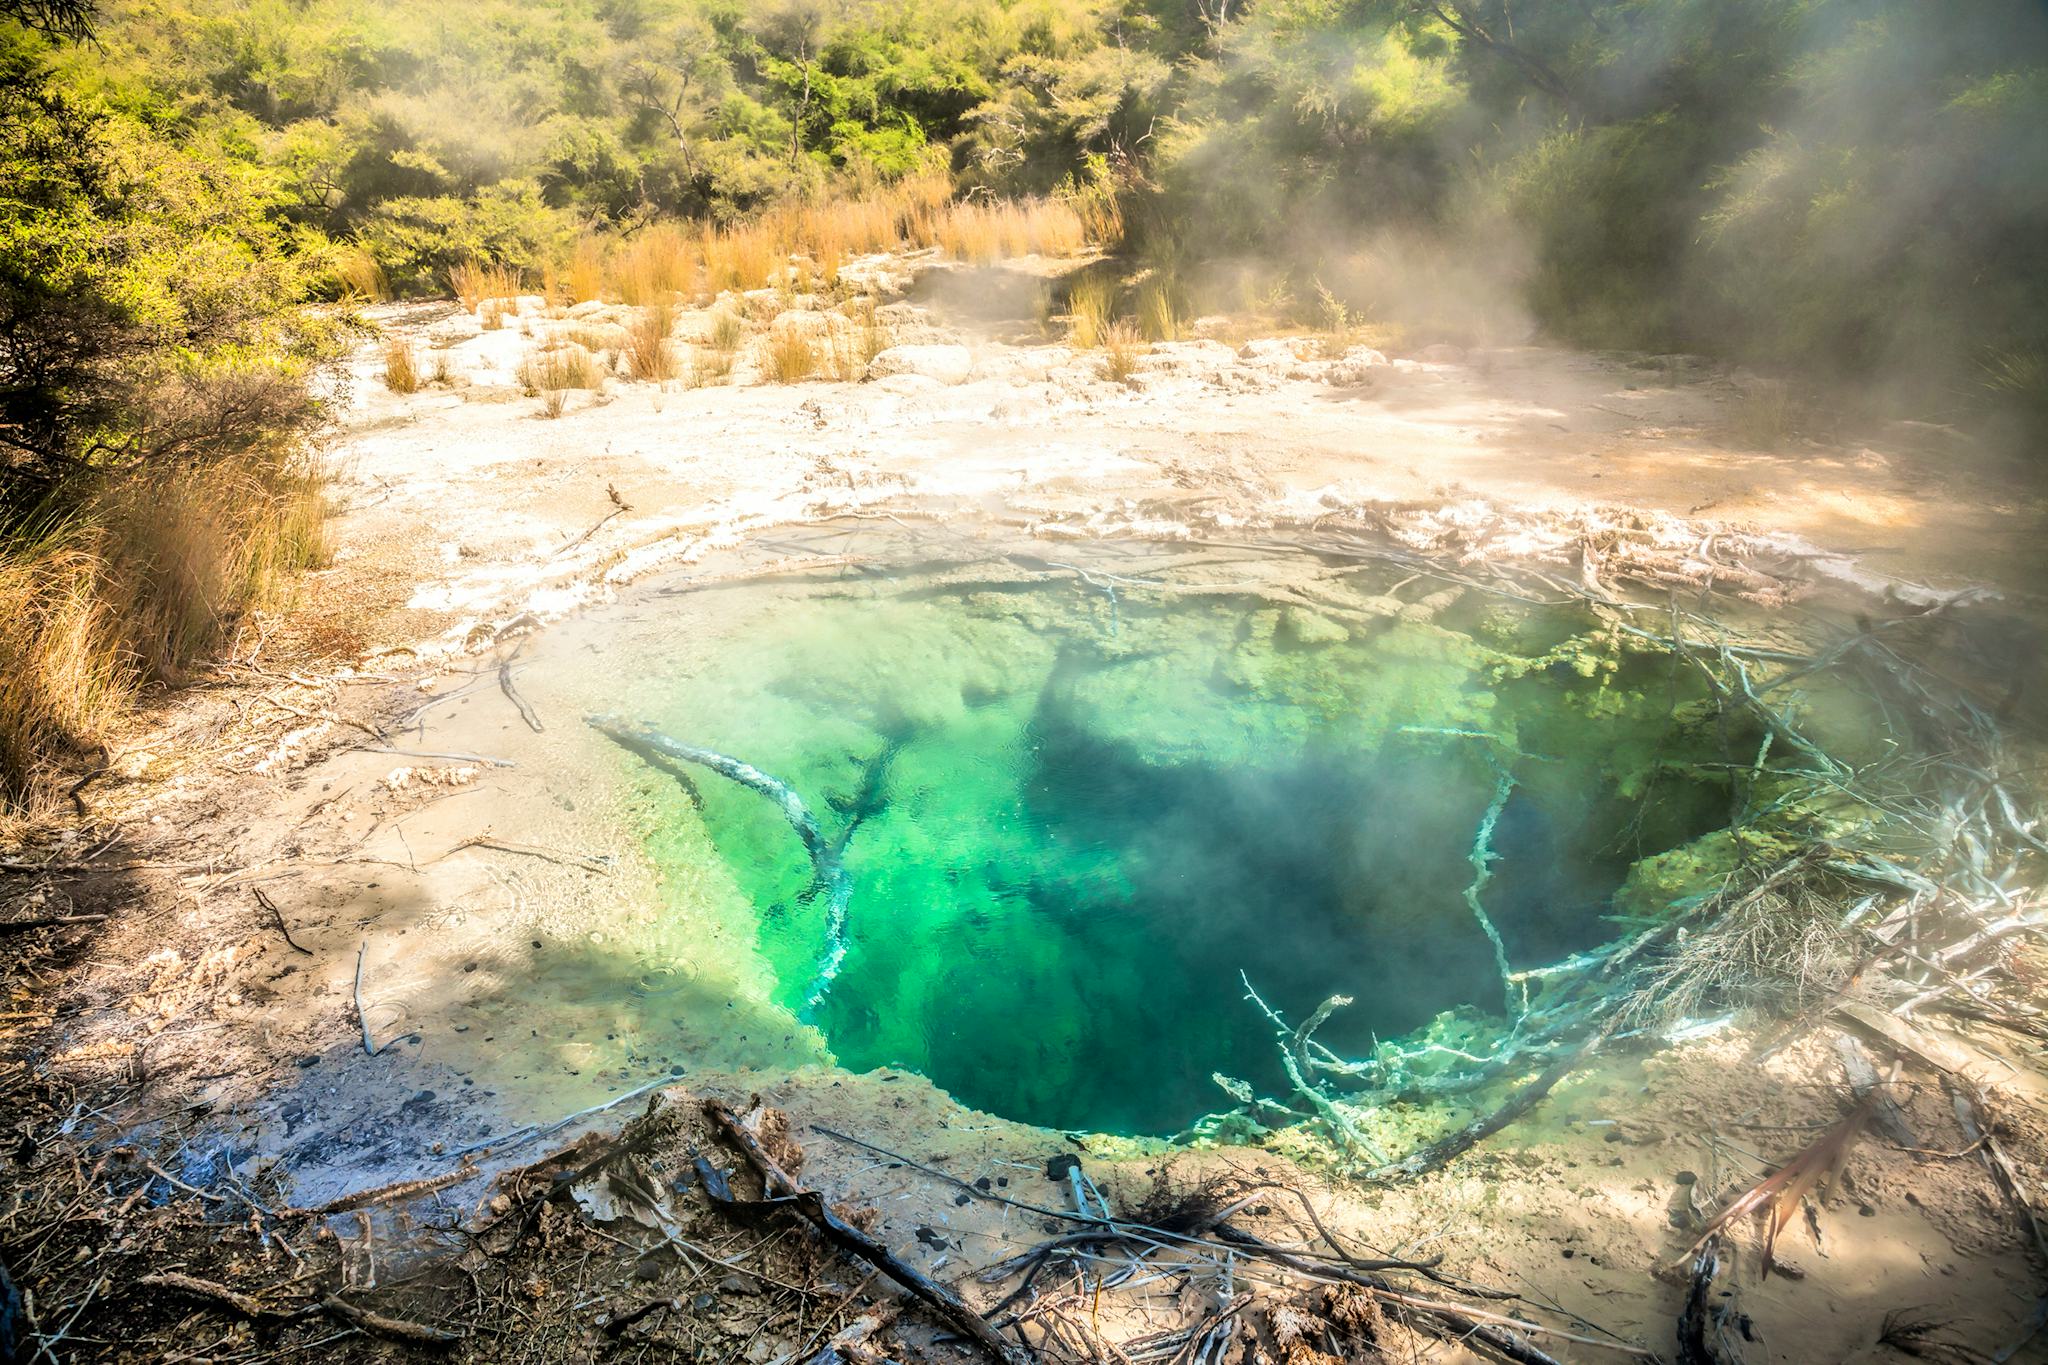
(1074, 806)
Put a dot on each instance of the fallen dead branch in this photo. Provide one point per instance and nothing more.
(370, 1048)
(384, 1194)
(519, 703)
(1702, 1326)
(11, 926)
(391, 1329)
(549, 855)
(402, 1330)
(783, 1191)
(1456, 1144)
(276, 914)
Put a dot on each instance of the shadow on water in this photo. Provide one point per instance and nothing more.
(1057, 889)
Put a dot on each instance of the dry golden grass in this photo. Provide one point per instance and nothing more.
(1090, 305)
(1334, 324)
(647, 351)
(654, 267)
(491, 314)
(1763, 413)
(727, 331)
(788, 355)
(141, 580)
(707, 367)
(799, 247)
(401, 366)
(1121, 347)
(556, 365)
(585, 280)
(599, 338)
(362, 278)
(871, 337)
(1158, 318)
(983, 232)
(475, 282)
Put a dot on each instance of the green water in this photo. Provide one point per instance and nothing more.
(1073, 819)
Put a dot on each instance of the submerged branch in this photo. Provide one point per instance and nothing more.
(825, 860)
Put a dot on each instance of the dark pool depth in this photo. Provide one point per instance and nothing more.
(1072, 819)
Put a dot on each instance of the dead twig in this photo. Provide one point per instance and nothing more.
(46, 921)
(524, 707)
(369, 1048)
(783, 1191)
(276, 914)
(402, 1189)
(1521, 1102)
(391, 1329)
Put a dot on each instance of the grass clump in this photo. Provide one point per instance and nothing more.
(1158, 316)
(1121, 347)
(129, 589)
(550, 370)
(361, 278)
(401, 366)
(475, 283)
(1333, 323)
(647, 351)
(789, 356)
(1763, 413)
(707, 367)
(727, 331)
(1090, 306)
(870, 335)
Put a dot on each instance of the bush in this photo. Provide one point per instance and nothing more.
(421, 242)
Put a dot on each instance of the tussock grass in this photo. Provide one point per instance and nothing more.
(1158, 317)
(707, 367)
(1090, 306)
(741, 258)
(788, 355)
(870, 335)
(983, 232)
(801, 247)
(146, 576)
(599, 338)
(556, 366)
(1334, 324)
(401, 366)
(1121, 347)
(475, 282)
(362, 278)
(585, 279)
(647, 351)
(727, 331)
(654, 267)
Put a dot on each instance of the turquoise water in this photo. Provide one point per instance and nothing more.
(1071, 817)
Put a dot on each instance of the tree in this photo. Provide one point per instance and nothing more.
(794, 31)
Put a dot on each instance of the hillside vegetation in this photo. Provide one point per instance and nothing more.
(1851, 190)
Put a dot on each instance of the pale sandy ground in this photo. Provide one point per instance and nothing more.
(465, 519)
